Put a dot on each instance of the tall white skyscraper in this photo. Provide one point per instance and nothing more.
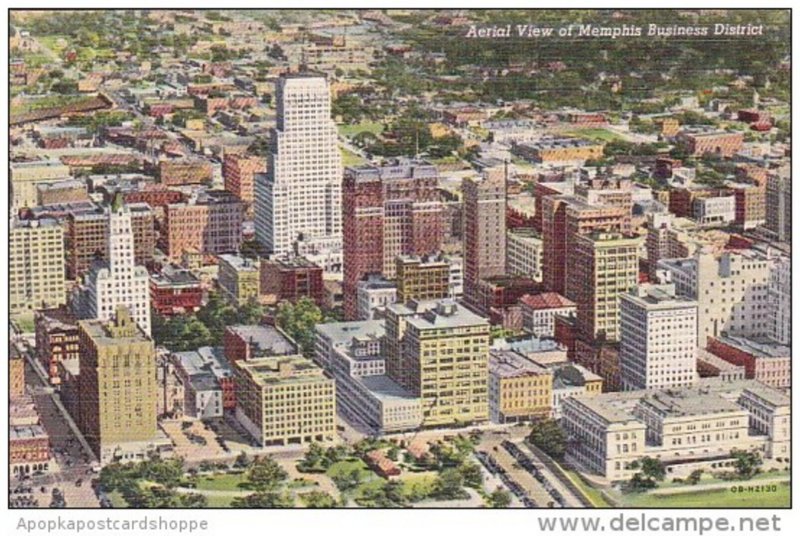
(780, 301)
(118, 281)
(298, 200)
(658, 338)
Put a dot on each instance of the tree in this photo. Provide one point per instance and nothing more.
(473, 476)
(242, 460)
(298, 321)
(314, 459)
(746, 462)
(193, 500)
(318, 499)
(449, 485)
(266, 499)
(265, 474)
(348, 480)
(548, 436)
(500, 498)
(694, 477)
(653, 469)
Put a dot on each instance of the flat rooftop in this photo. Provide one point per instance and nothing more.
(511, 364)
(384, 388)
(266, 340)
(344, 332)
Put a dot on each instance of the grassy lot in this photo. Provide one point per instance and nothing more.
(418, 484)
(364, 126)
(49, 101)
(595, 134)
(594, 495)
(36, 59)
(223, 482)
(219, 501)
(711, 499)
(346, 466)
(25, 322)
(351, 159)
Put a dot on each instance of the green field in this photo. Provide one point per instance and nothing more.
(364, 126)
(595, 134)
(591, 493)
(351, 159)
(222, 482)
(723, 498)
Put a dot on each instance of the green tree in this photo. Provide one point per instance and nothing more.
(449, 485)
(473, 476)
(500, 498)
(746, 462)
(348, 480)
(298, 321)
(653, 469)
(193, 500)
(548, 436)
(265, 499)
(318, 499)
(265, 474)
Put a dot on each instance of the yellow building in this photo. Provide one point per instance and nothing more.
(422, 278)
(559, 150)
(439, 351)
(26, 175)
(606, 265)
(117, 383)
(36, 265)
(519, 389)
(285, 400)
(239, 278)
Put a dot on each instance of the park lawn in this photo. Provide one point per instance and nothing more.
(723, 498)
(35, 59)
(222, 482)
(594, 495)
(219, 501)
(345, 466)
(350, 131)
(595, 134)
(418, 484)
(350, 159)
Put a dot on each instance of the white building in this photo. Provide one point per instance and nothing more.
(456, 278)
(780, 301)
(539, 312)
(733, 291)
(685, 429)
(658, 338)
(524, 253)
(714, 210)
(298, 199)
(351, 352)
(373, 295)
(118, 281)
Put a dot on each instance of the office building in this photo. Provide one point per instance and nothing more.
(422, 278)
(239, 278)
(373, 295)
(238, 172)
(118, 389)
(285, 400)
(779, 301)
(35, 265)
(290, 278)
(731, 291)
(389, 211)
(606, 265)
(779, 204)
(484, 229)
(117, 281)
(299, 199)
(519, 389)
(439, 351)
(539, 312)
(524, 253)
(658, 338)
(209, 223)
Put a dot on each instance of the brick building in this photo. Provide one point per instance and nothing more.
(183, 172)
(56, 339)
(239, 171)
(388, 211)
(208, 223)
(175, 291)
(291, 278)
(699, 141)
